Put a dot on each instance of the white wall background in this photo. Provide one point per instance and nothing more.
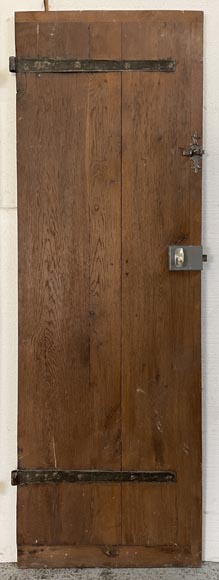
(8, 259)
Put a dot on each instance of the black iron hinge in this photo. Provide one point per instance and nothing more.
(65, 65)
(33, 476)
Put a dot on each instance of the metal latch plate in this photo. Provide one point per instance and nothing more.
(185, 258)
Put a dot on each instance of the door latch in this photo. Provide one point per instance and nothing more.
(194, 151)
(186, 258)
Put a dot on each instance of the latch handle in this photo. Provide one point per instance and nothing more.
(194, 151)
(179, 257)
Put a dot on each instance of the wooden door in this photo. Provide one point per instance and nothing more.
(109, 436)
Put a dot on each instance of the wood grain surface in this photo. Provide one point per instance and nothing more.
(104, 556)
(109, 339)
(112, 16)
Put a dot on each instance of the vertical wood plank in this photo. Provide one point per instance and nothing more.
(104, 183)
(161, 312)
(69, 144)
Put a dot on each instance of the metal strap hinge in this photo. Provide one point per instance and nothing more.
(65, 65)
(33, 476)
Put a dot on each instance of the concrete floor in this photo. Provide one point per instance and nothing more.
(209, 571)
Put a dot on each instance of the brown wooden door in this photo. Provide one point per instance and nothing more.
(109, 338)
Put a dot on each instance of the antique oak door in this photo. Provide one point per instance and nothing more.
(109, 178)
